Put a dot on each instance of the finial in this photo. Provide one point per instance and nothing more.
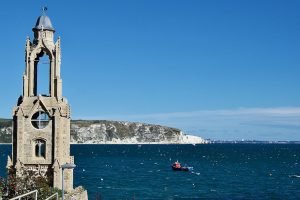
(44, 9)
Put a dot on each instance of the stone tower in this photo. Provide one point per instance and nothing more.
(41, 122)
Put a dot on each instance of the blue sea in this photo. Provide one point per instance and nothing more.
(221, 171)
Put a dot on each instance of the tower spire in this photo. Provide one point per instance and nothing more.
(44, 10)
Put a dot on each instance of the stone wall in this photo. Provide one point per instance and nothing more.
(78, 193)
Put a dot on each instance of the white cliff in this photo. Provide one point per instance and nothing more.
(115, 132)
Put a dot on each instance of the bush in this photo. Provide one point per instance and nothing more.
(17, 185)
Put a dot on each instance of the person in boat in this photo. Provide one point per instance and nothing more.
(177, 165)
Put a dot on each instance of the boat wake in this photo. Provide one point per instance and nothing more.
(294, 176)
(196, 173)
(191, 168)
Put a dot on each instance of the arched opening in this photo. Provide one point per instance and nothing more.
(42, 75)
(40, 148)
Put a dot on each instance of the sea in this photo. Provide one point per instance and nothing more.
(220, 171)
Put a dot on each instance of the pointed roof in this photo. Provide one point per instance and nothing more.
(43, 23)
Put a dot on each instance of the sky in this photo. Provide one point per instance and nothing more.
(220, 69)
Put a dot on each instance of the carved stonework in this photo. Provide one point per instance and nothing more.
(38, 170)
(41, 122)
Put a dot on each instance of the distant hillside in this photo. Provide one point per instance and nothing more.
(5, 130)
(114, 132)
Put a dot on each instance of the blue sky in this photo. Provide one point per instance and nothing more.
(175, 63)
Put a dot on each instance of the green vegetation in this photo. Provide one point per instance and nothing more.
(5, 122)
(85, 123)
(16, 185)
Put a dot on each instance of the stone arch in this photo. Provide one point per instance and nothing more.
(39, 52)
(39, 49)
(39, 147)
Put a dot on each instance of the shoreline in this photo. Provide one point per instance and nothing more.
(136, 143)
(123, 143)
(156, 143)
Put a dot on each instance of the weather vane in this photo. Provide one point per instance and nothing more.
(44, 9)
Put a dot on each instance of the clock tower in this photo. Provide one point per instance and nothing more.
(41, 121)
